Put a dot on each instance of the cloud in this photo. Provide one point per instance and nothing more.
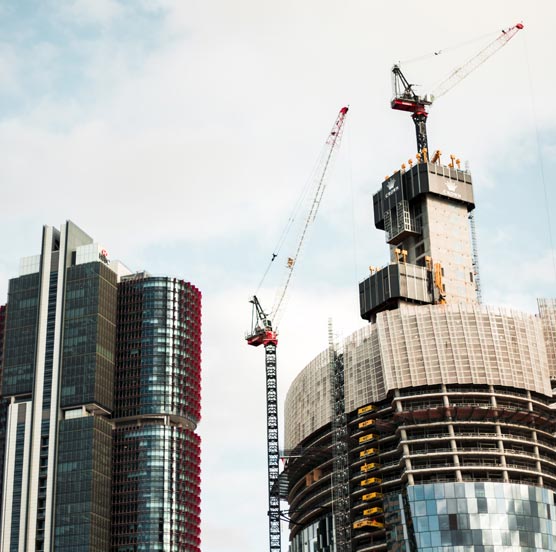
(9, 66)
(101, 12)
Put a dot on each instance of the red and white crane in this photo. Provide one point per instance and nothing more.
(263, 333)
(405, 98)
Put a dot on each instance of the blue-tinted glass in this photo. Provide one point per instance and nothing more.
(463, 521)
(462, 505)
(433, 523)
(443, 522)
(420, 508)
(439, 490)
(423, 524)
(446, 538)
(442, 506)
(495, 527)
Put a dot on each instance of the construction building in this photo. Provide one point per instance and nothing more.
(432, 428)
(100, 401)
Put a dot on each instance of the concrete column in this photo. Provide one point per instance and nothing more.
(452, 433)
(405, 447)
(500, 441)
(538, 465)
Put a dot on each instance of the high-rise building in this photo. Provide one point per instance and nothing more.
(431, 429)
(101, 382)
(3, 405)
(157, 408)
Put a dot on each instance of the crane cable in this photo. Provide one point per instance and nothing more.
(354, 242)
(541, 162)
(447, 49)
(464, 70)
(474, 62)
(289, 224)
(320, 172)
(321, 185)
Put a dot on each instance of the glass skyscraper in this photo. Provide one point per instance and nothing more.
(156, 450)
(99, 406)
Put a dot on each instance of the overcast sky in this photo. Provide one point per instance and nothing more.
(179, 134)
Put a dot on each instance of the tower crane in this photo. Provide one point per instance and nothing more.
(405, 98)
(263, 333)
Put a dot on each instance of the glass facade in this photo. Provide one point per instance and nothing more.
(21, 335)
(83, 486)
(156, 488)
(89, 336)
(482, 517)
(159, 349)
(3, 310)
(317, 537)
(156, 484)
(3, 404)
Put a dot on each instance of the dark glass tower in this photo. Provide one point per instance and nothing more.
(56, 379)
(3, 404)
(85, 468)
(157, 410)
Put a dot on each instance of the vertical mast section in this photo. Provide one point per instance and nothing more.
(405, 99)
(263, 334)
(340, 470)
(272, 445)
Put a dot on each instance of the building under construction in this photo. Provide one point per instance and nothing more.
(431, 428)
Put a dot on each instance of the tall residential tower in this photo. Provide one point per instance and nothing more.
(102, 399)
(449, 422)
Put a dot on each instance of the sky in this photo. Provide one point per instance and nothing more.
(179, 135)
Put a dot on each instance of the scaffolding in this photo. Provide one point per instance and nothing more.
(475, 256)
(547, 311)
(340, 473)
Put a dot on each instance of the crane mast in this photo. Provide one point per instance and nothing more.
(263, 333)
(406, 99)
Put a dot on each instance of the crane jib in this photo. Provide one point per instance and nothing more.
(405, 98)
